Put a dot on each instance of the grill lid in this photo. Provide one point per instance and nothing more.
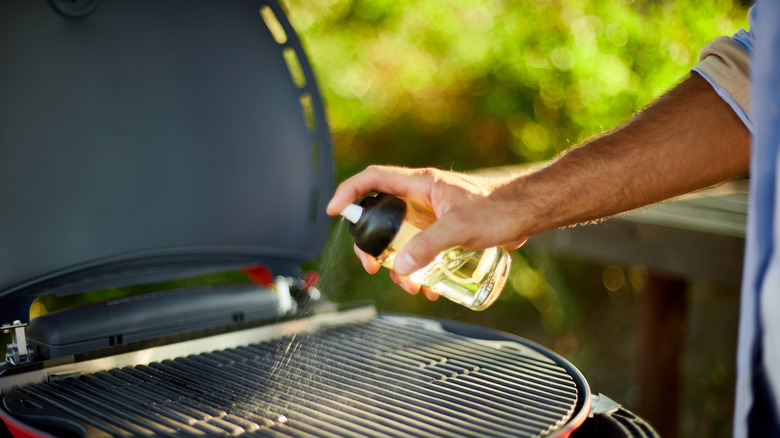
(153, 138)
(386, 376)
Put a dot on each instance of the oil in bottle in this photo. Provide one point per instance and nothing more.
(383, 224)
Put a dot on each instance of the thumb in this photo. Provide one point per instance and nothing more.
(423, 248)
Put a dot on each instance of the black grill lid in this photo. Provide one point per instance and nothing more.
(152, 137)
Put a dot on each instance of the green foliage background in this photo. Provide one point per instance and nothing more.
(469, 84)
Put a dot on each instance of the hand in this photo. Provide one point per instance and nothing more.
(372, 267)
(470, 211)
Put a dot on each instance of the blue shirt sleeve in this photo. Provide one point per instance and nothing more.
(745, 39)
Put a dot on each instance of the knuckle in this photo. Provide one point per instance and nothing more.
(372, 172)
(373, 168)
(431, 174)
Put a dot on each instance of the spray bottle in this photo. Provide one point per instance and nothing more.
(383, 224)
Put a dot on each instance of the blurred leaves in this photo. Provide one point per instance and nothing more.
(472, 83)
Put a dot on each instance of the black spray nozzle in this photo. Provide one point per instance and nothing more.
(379, 222)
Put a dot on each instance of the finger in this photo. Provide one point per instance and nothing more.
(431, 295)
(458, 227)
(405, 283)
(423, 247)
(397, 181)
(369, 263)
(356, 187)
(411, 287)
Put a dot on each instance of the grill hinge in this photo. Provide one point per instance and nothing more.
(601, 404)
(18, 352)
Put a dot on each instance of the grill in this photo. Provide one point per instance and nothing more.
(381, 377)
(144, 145)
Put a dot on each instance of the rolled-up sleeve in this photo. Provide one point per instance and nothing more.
(725, 64)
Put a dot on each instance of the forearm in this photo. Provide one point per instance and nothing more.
(686, 140)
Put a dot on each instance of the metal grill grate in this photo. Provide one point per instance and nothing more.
(379, 378)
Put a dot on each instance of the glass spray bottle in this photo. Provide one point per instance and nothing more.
(383, 224)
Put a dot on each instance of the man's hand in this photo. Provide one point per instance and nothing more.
(466, 212)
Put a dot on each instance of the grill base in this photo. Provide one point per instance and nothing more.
(385, 376)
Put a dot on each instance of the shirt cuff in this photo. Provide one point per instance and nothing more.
(725, 64)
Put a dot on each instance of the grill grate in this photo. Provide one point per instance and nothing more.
(381, 378)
